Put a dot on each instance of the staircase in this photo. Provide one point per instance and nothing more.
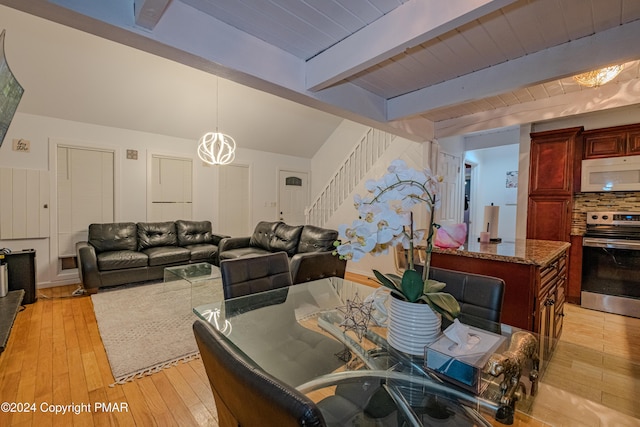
(354, 168)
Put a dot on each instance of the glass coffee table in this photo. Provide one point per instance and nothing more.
(203, 278)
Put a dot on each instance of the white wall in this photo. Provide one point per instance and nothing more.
(328, 159)
(492, 166)
(131, 179)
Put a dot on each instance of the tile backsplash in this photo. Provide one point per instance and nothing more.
(588, 202)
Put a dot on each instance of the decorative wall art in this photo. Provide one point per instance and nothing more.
(10, 92)
(511, 196)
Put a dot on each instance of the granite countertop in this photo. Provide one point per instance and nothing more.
(523, 251)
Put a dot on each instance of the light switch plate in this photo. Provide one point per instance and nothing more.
(132, 154)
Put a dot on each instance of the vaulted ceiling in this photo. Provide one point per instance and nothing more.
(419, 67)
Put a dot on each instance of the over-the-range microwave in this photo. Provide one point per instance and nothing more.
(611, 174)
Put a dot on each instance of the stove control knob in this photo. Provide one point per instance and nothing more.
(605, 217)
(594, 216)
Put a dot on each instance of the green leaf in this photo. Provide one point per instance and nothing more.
(445, 304)
(412, 285)
(431, 286)
(391, 281)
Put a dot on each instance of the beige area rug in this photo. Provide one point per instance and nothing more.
(145, 328)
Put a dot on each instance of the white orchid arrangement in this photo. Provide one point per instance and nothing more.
(385, 220)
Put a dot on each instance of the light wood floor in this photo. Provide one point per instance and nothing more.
(55, 357)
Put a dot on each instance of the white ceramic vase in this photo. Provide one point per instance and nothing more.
(412, 326)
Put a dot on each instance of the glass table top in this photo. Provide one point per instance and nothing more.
(295, 334)
(192, 272)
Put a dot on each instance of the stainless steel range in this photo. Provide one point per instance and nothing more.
(611, 263)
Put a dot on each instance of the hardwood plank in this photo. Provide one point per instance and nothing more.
(179, 410)
(61, 395)
(140, 410)
(158, 408)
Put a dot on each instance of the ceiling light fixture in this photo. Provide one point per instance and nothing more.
(216, 148)
(599, 77)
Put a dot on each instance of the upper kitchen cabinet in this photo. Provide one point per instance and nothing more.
(554, 175)
(612, 142)
(553, 169)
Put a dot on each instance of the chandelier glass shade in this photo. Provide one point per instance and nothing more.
(216, 148)
(598, 77)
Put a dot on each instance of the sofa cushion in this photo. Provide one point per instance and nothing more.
(243, 252)
(316, 239)
(117, 260)
(120, 236)
(202, 252)
(286, 238)
(163, 255)
(193, 232)
(154, 234)
(261, 237)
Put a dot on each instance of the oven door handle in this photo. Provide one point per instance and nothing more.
(610, 243)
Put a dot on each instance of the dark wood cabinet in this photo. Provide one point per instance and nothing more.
(633, 142)
(612, 142)
(551, 169)
(549, 218)
(553, 178)
(550, 304)
(574, 284)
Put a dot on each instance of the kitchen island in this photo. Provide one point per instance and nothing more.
(535, 274)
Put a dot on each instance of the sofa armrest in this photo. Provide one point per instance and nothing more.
(233, 243)
(216, 238)
(309, 266)
(88, 266)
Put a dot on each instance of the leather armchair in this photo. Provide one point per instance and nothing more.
(309, 248)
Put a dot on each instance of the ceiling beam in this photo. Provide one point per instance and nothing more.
(148, 12)
(390, 35)
(617, 45)
(606, 97)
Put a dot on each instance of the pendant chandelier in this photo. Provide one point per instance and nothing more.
(216, 148)
(599, 77)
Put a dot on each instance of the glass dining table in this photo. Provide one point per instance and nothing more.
(297, 334)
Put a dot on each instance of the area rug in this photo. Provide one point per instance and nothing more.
(145, 328)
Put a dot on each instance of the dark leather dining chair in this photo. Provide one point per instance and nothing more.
(245, 276)
(478, 295)
(247, 396)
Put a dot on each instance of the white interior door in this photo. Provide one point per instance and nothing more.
(171, 188)
(293, 196)
(235, 206)
(85, 184)
(451, 209)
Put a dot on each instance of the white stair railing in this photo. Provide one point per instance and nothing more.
(372, 145)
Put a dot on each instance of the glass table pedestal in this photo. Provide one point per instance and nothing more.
(203, 278)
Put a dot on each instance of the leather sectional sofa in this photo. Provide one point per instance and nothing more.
(309, 248)
(126, 252)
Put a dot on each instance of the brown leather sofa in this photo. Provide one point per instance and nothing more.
(309, 248)
(126, 252)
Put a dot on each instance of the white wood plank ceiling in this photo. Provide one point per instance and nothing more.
(411, 65)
